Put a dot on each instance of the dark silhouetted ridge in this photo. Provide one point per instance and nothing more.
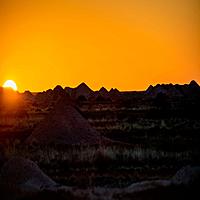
(80, 90)
(188, 90)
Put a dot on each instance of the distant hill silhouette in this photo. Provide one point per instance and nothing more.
(100, 96)
(49, 97)
(188, 90)
(103, 95)
(83, 94)
(81, 90)
(28, 95)
(104, 92)
(114, 94)
(84, 91)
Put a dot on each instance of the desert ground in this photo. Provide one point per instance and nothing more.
(76, 143)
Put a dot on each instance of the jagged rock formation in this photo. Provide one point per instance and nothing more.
(188, 90)
(114, 94)
(84, 91)
(104, 92)
(101, 96)
(81, 90)
(50, 97)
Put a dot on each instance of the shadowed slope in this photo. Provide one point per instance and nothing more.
(20, 178)
(64, 125)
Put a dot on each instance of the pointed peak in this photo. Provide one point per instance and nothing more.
(114, 90)
(103, 89)
(194, 83)
(83, 86)
(58, 88)
(150, 87)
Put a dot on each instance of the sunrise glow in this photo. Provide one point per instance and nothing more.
(10, 84)
(124, 44)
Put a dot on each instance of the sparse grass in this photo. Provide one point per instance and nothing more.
(115, 166)
(97, 156)
(107, 166)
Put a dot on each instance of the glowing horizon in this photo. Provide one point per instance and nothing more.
(10, 84)
(126, 44)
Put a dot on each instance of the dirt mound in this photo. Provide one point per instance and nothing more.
(64, 125)
(20, 177)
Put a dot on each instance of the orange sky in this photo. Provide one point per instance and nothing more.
(127, 44)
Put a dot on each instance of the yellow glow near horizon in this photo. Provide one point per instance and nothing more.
(10, 84)
(127, 44)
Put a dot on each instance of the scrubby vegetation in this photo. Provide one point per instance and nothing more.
(116, 165)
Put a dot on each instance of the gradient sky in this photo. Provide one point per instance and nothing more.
(127, 44)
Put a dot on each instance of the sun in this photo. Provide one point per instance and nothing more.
(10, 84)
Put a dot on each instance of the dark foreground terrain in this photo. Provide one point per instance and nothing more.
(100, 144)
